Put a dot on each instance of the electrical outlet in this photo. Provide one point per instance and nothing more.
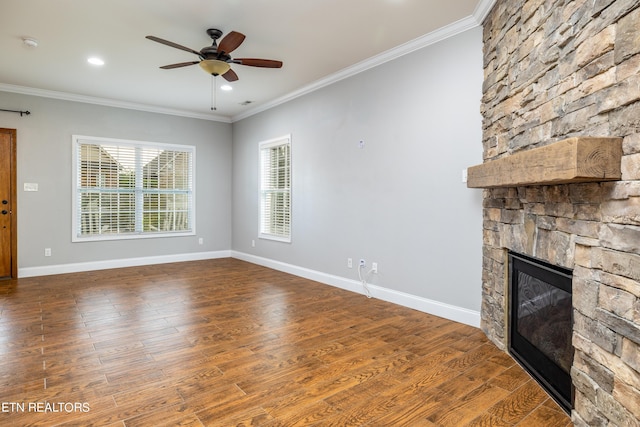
(201, 241)
(350, 262)
(47, 251)
(363, 263)
(374, 267)
(253, 243)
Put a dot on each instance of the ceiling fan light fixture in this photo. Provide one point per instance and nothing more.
(214, 67)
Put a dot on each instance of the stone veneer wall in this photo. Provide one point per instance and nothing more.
(555, 69)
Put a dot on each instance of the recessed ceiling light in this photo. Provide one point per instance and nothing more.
(94, 60)
(226, 87)
(30, 42)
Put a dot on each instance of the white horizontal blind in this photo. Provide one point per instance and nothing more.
(127, 189)
(275, 189)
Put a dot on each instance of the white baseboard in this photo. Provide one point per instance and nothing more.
(47, 270)
(448, 311)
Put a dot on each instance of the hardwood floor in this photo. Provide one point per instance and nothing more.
(224, 343)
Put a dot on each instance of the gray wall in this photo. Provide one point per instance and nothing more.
(400, 200)
(44, 157)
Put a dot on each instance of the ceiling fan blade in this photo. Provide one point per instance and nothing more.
(172, 44)
(230, 42)
(178, 65)
(230, 76)
(255, 62)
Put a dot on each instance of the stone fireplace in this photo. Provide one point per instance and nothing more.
(558, 69)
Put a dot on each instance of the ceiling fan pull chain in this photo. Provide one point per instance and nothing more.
(213, 93)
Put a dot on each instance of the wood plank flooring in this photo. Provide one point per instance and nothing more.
(226, 343)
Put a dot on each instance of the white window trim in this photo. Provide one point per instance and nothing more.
(83, 139)
(283, 140)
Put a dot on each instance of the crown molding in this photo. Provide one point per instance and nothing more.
(482, 10)
(65, 96)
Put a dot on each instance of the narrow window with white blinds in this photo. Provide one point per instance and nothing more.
(275, 189)
(130, 189)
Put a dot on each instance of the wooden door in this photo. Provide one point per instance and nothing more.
(8, 215)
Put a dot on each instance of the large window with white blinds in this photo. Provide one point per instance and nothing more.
(130, 189)
(275, 189)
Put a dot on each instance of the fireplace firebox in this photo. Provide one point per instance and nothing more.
(541, 323)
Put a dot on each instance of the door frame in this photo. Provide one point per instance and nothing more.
(13, 206)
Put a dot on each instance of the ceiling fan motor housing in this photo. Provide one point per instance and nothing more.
(211, 52)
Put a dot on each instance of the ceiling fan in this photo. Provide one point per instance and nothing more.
(215, 59)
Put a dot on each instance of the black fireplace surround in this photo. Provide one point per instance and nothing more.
(541, 323)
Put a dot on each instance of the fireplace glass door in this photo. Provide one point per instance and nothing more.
(541, 323)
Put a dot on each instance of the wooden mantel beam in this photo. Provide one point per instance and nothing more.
(577, 159)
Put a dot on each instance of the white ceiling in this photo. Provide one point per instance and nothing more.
(319, 41)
